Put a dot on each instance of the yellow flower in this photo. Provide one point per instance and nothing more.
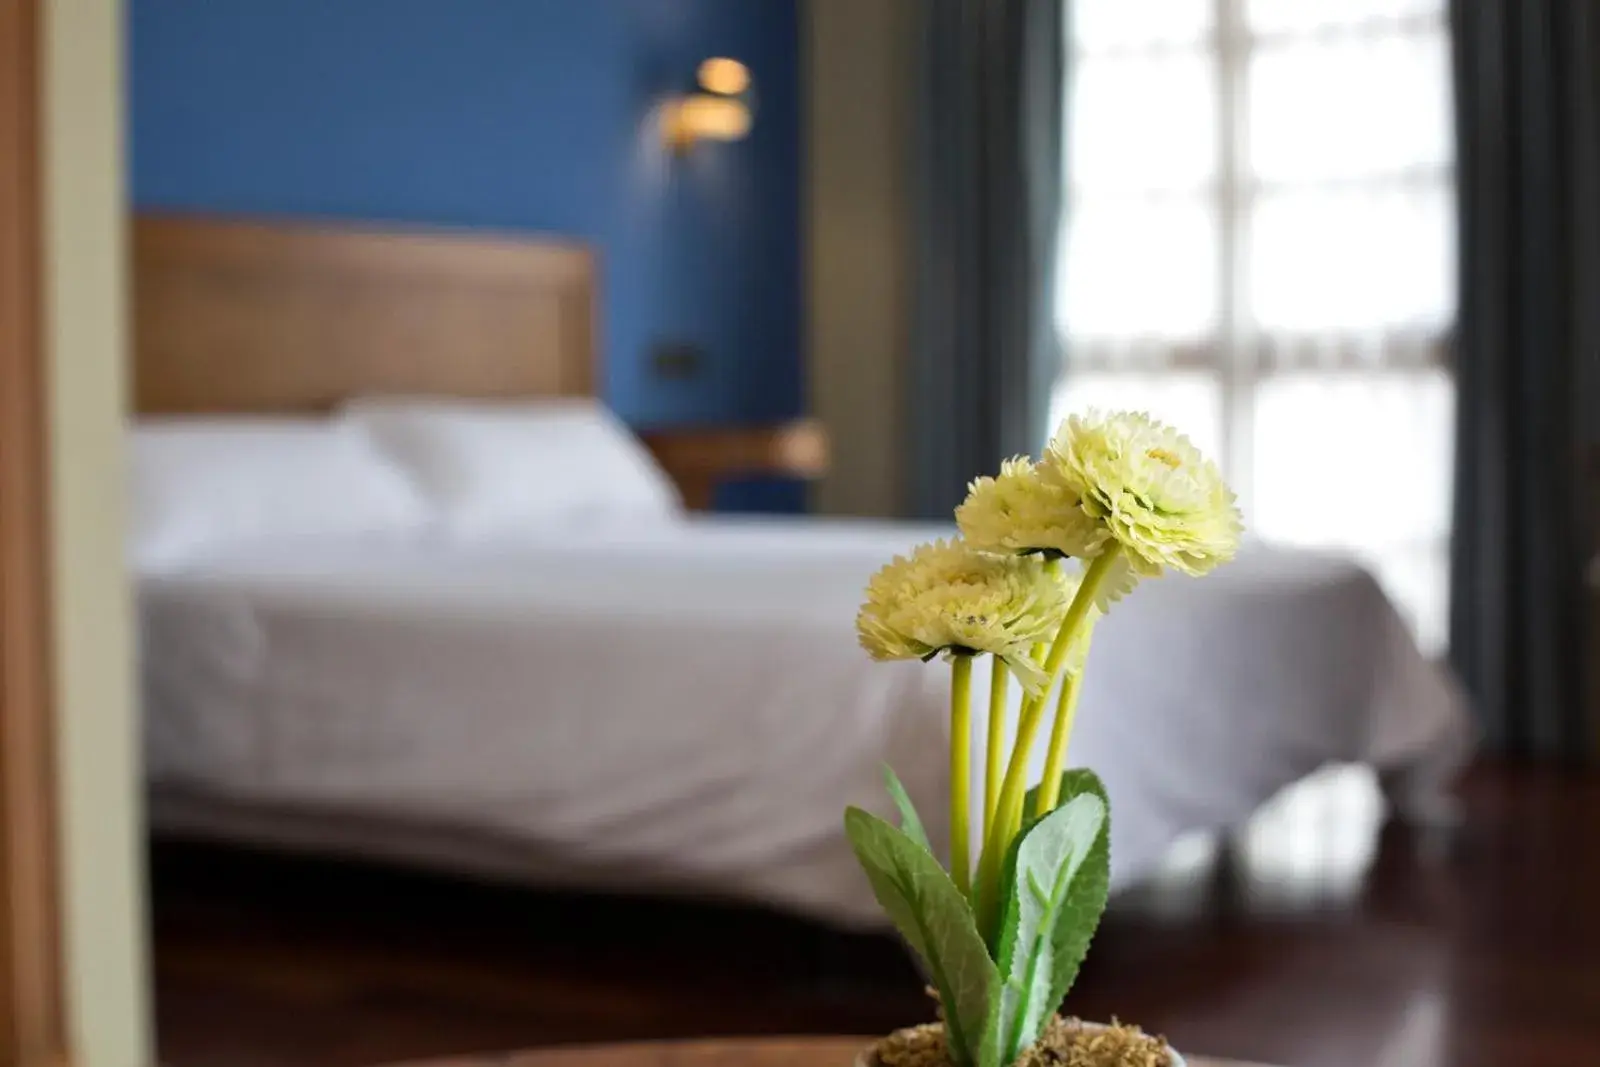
(948, 597)
(1018, 511)
(1164, 502)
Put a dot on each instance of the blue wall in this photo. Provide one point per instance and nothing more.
(530, 115)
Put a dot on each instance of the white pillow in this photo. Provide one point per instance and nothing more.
(501, 469)
(202, 484)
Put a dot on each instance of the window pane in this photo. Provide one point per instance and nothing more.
(1357, 106)
(1288, 16)
(1189, 400)
(1353, 260)
(1101, 24)
(1147, 123)
(1139, 268)
(1353, 459)
(1381, 492)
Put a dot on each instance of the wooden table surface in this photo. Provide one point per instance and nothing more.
(728, 1052)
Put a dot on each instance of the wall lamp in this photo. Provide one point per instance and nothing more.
(720, 107)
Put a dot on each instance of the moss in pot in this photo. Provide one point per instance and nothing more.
(1065, 1043)
(1046, 549)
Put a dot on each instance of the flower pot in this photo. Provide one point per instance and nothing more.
(864, 1058)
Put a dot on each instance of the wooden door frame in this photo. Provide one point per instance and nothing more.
(32, 1018)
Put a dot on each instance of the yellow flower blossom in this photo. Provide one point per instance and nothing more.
(949, 597)
(1018, 511)
(1164, 502)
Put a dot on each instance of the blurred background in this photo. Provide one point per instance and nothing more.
(782, 276)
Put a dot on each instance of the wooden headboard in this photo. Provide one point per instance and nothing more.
(251, 317)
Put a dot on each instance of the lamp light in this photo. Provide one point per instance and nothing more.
(729, 77)
(719, 108)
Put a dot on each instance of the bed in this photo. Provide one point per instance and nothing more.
(676, 707)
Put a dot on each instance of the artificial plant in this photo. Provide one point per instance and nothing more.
(1046, 549)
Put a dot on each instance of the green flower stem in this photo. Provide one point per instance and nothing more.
(986, 894)
(1052, 567)
(961, 771)
(1060, 737)
(999, 679)
(1008, 814)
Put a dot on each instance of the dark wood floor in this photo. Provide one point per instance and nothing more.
(1318, 939)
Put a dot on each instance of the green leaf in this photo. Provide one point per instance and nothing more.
(1086, 897)
(1048, 861)
(1056, 881)
(996, 936)
(1000, 937)
(909, 820)
(936, 920)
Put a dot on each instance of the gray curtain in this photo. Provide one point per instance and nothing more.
(1528, 127)
(988, 163)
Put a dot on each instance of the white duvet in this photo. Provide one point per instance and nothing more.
(683, 707)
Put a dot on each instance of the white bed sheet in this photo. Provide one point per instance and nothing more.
(685, 708)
